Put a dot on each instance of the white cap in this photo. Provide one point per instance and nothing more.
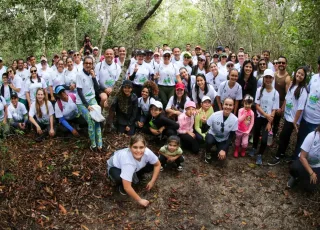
(166, 52)
(95, 48)
(268, 72)
(1, 59)
(157, 104)
(204, 98)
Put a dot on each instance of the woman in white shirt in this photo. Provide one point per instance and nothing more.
(70, 77)
(41, 115)
(33, 84)
(127, 166)
(202, 88)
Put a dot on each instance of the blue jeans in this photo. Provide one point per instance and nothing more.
(304, 129)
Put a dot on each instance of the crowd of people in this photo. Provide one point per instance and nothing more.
(190, 99)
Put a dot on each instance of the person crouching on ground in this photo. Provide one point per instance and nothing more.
(171, 152)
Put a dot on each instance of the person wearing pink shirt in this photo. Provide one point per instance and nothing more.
(245, 124)
(185, 131)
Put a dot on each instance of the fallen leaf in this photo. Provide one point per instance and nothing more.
(271, 174)
(251, 165)
(243, 223)
(203, 228)
(76, 173)
(40, 163)
(62, 209)
(48, 190)
(306, 213)
(84, 227)
(157, 222)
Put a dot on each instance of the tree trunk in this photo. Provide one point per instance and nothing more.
(75, 34)
(106, 24)
(148, 15)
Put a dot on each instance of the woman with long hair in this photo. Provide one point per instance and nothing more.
(233, 57)
(262, 66)
(33, 84)
(202, 88)
(246, 79)
(200, 66)
(255, 59)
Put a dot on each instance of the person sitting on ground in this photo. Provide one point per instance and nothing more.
(17, 113)
(128, 165)
(171, 152)
(203, 114)
(4, 127)
(126, 108)
(306, 169)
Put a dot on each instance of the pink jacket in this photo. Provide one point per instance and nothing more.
(245, 120)
(185, 123)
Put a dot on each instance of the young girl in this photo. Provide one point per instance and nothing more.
(128, 165)
(41, 115)
(171, 152)
(267, 102)
(230, 88)
(293, 107)
(203, 114)
(245, 124)
(202, 88)
(186, 121)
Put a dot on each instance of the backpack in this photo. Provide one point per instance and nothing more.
(73, 97)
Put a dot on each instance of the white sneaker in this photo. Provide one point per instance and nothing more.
(180, 168)
(161, 169)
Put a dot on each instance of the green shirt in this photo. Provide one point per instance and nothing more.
(164, 150)
(198, 122)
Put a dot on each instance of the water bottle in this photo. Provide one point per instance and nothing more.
(270, 138)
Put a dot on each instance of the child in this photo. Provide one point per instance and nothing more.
(171, 153)
(185, 131)
(245, 124)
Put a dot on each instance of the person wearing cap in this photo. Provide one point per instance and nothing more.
(176, 104)
(70, 77)
(186, 62)
(282, 80)
(41, 115)
(267, 102)
(96, 54)
(125, 106)
(155, 62)
(158, 124)
(185, 131)
(215, 58)
(148, 56)
(222, 64)
(230, 88)
(245, 124)
(293, 108)
(200, 66)
(311, 114)
(87, 85)
(176, 56)
(229, 65)
(77, 62)
(57, 78)
(108, 72)
(17, 113)
(33, 84)
(203, 114)
(66, 110)
(202, 88)
(219, 50)
(45, 73)
(140, 72)
(167, 76)
(222, 126)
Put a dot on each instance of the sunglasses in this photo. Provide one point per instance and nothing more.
(76, 55)
(275, 63)
(233, 56)
(88, 63)
(281, 63)
(222, 127)
(200, 60)
(33, 71)
(9, 71)
(229, 65)
(262, 64)
(224, 57)
(166, 56)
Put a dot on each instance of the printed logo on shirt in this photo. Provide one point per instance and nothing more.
(109, 82)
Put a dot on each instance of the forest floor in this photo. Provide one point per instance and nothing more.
(60, 184)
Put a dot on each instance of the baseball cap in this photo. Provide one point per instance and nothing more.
(223, 55)
(140, 52)
(127, 83)
(202, 57)
(95, 48)
(187, 55)
(204, 98)
(43, 59)
(268, 72)
(58, 89)
(197, 47)
(190, 104)
(148, 51)
(241, 48)
(215, 55)
(166, 52)
(220, 48)
(180, 85)
(1, 59)
(157, 104)
(156, 53)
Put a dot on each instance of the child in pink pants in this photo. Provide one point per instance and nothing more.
(245, 124)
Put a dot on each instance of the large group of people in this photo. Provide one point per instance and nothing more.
(189, 99)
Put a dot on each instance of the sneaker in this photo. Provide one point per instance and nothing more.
(274, 161)
(39, 138)
(180, 168)
(252, 152)
(161, 169)
(208, 156)
(291, 183)
(259, 160)
(122, 191)
(93, 148)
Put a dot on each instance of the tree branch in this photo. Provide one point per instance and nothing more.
(148, 15)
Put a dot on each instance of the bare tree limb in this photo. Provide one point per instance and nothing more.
(148, 15)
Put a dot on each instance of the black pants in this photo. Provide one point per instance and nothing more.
(276, 123)
(114, 173)
(284, 138)
(188, 142)
(122, 129)
(163, 160)
(167, 132)
(297, 170)
(211, 141)
(260, 124)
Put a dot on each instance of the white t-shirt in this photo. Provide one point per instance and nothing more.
(215, 122)
(311, 145)
(237, 66)
(179, 65)
(17, 82)
(293, 105)
(107, 74)
(271, 66)
(32, 87)
(145, 105)
(70, 77)
(45, 116)
(6, 94)
(78, 67)
(2, 106)
(170, 104)
(57, 79)
(201, 71)
(174, 61)
(124, 160)
(222, 68)
(2, 71)
(216, 81)
(86, 84)
(311, 112)
(224, 91)
(268, 101)
(70, 109)
(46, 76)
(24, 75)
(154, 65)
(195, 60)
(17, 113)
(168, 74)
(211, 93)
(143, 74)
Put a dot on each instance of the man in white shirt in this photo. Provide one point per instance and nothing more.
(176, 55)
(266, 55)
(241, 60)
